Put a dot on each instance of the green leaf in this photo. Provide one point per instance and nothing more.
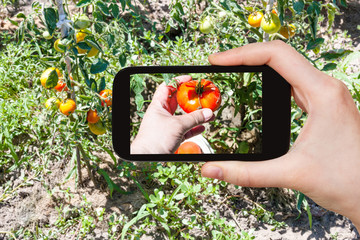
(83, 3)
(99, 65)
(51, 18)
(12, 151)
(123, 4)
(115, 11)
(13, 22)
(329, 67)
(146, 195)
(93, 85)
(103, 8)
(52, 79)
(141, 214)
(343, 3)
(335, 54)
(315, 43)
(300, 200)
(112, 186)
(298, 6)
(21, 15)
(110, 39)
(102, 84)
(90, 40)
(84, 46)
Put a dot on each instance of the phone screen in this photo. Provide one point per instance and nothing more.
(238, 124)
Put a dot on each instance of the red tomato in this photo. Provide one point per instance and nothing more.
(188, 148)
(107, 94)
(60, 86)
(195, 95)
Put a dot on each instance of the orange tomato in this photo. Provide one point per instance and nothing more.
(45, 76)
(92, 116)
(62, 85)
(67, 107)
(107, 94)
(255, 19)
(188, 148)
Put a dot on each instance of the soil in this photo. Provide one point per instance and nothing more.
(34, 203)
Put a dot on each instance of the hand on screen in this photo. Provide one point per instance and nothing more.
(161, 132)
(324, 162)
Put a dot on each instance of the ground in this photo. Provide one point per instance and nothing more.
(34, 203)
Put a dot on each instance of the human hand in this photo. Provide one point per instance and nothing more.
(324, 161)
(160, 132)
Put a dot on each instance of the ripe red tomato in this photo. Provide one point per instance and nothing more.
(188, 148)
(195, 95)
(107, 94)
(60, 86)
(255, 19)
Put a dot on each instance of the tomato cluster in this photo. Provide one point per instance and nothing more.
(270, 23)
(52, 78)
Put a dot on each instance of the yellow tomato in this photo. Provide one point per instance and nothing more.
(255, 18)
(58, 46)
(67, 107)
(80, 36)
(45, 77)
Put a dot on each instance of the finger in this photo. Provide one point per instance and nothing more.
(194, 131)
(282, 58)
(183, 78)
(162, 93)
(272, 173)
(195, 118)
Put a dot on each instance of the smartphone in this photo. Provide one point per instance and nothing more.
(251, 124)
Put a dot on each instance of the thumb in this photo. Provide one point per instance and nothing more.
(271, 173)
(195, 118)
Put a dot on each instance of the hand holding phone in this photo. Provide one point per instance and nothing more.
(324, 161)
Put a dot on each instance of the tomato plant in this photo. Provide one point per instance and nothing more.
(195, 95)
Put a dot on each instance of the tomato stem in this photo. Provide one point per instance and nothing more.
(199, 89)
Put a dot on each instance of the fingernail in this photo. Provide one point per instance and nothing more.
(213, 172)
(207, 113)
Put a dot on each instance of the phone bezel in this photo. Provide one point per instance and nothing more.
(276, 113)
